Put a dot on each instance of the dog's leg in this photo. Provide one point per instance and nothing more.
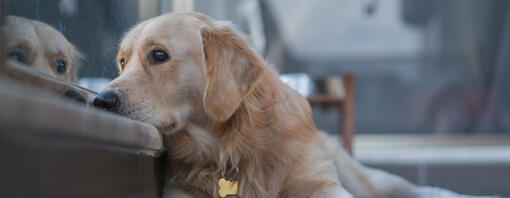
(336, 192)
(316, 178)
(362, 181)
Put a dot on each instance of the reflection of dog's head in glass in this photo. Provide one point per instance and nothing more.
(40, 46)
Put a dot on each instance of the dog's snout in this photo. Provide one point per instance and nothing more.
(107, 100)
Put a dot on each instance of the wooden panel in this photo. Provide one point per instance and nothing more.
(52, 147)
(55, 166)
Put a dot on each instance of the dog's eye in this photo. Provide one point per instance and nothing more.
(122, 63)
(18, 56)
(60, 66)
(159, 57)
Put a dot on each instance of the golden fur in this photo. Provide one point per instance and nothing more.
(221, 108)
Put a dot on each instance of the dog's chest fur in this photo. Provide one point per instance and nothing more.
(197, 160)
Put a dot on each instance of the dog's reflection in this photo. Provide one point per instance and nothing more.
(40, 46)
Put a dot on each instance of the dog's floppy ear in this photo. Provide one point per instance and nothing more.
(233, 69)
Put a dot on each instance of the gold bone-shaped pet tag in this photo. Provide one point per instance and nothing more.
(227, 187)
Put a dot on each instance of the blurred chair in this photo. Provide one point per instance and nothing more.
(345, 103)
(337, 94)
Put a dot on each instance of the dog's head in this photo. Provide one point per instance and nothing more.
(179, 68)
(40, 46)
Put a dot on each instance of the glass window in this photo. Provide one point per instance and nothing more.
(93, 27)
(434, 67)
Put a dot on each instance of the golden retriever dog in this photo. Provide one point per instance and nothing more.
(231, 127)
(41, 47)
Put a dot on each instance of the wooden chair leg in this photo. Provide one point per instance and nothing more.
(348, 120)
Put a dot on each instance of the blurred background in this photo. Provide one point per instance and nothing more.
(422, 66)
(432, 92)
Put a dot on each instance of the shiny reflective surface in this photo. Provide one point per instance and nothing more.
(92, 27)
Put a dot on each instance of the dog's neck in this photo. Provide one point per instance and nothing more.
(216, 146)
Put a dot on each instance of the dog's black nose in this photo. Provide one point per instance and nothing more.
(107, 100)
